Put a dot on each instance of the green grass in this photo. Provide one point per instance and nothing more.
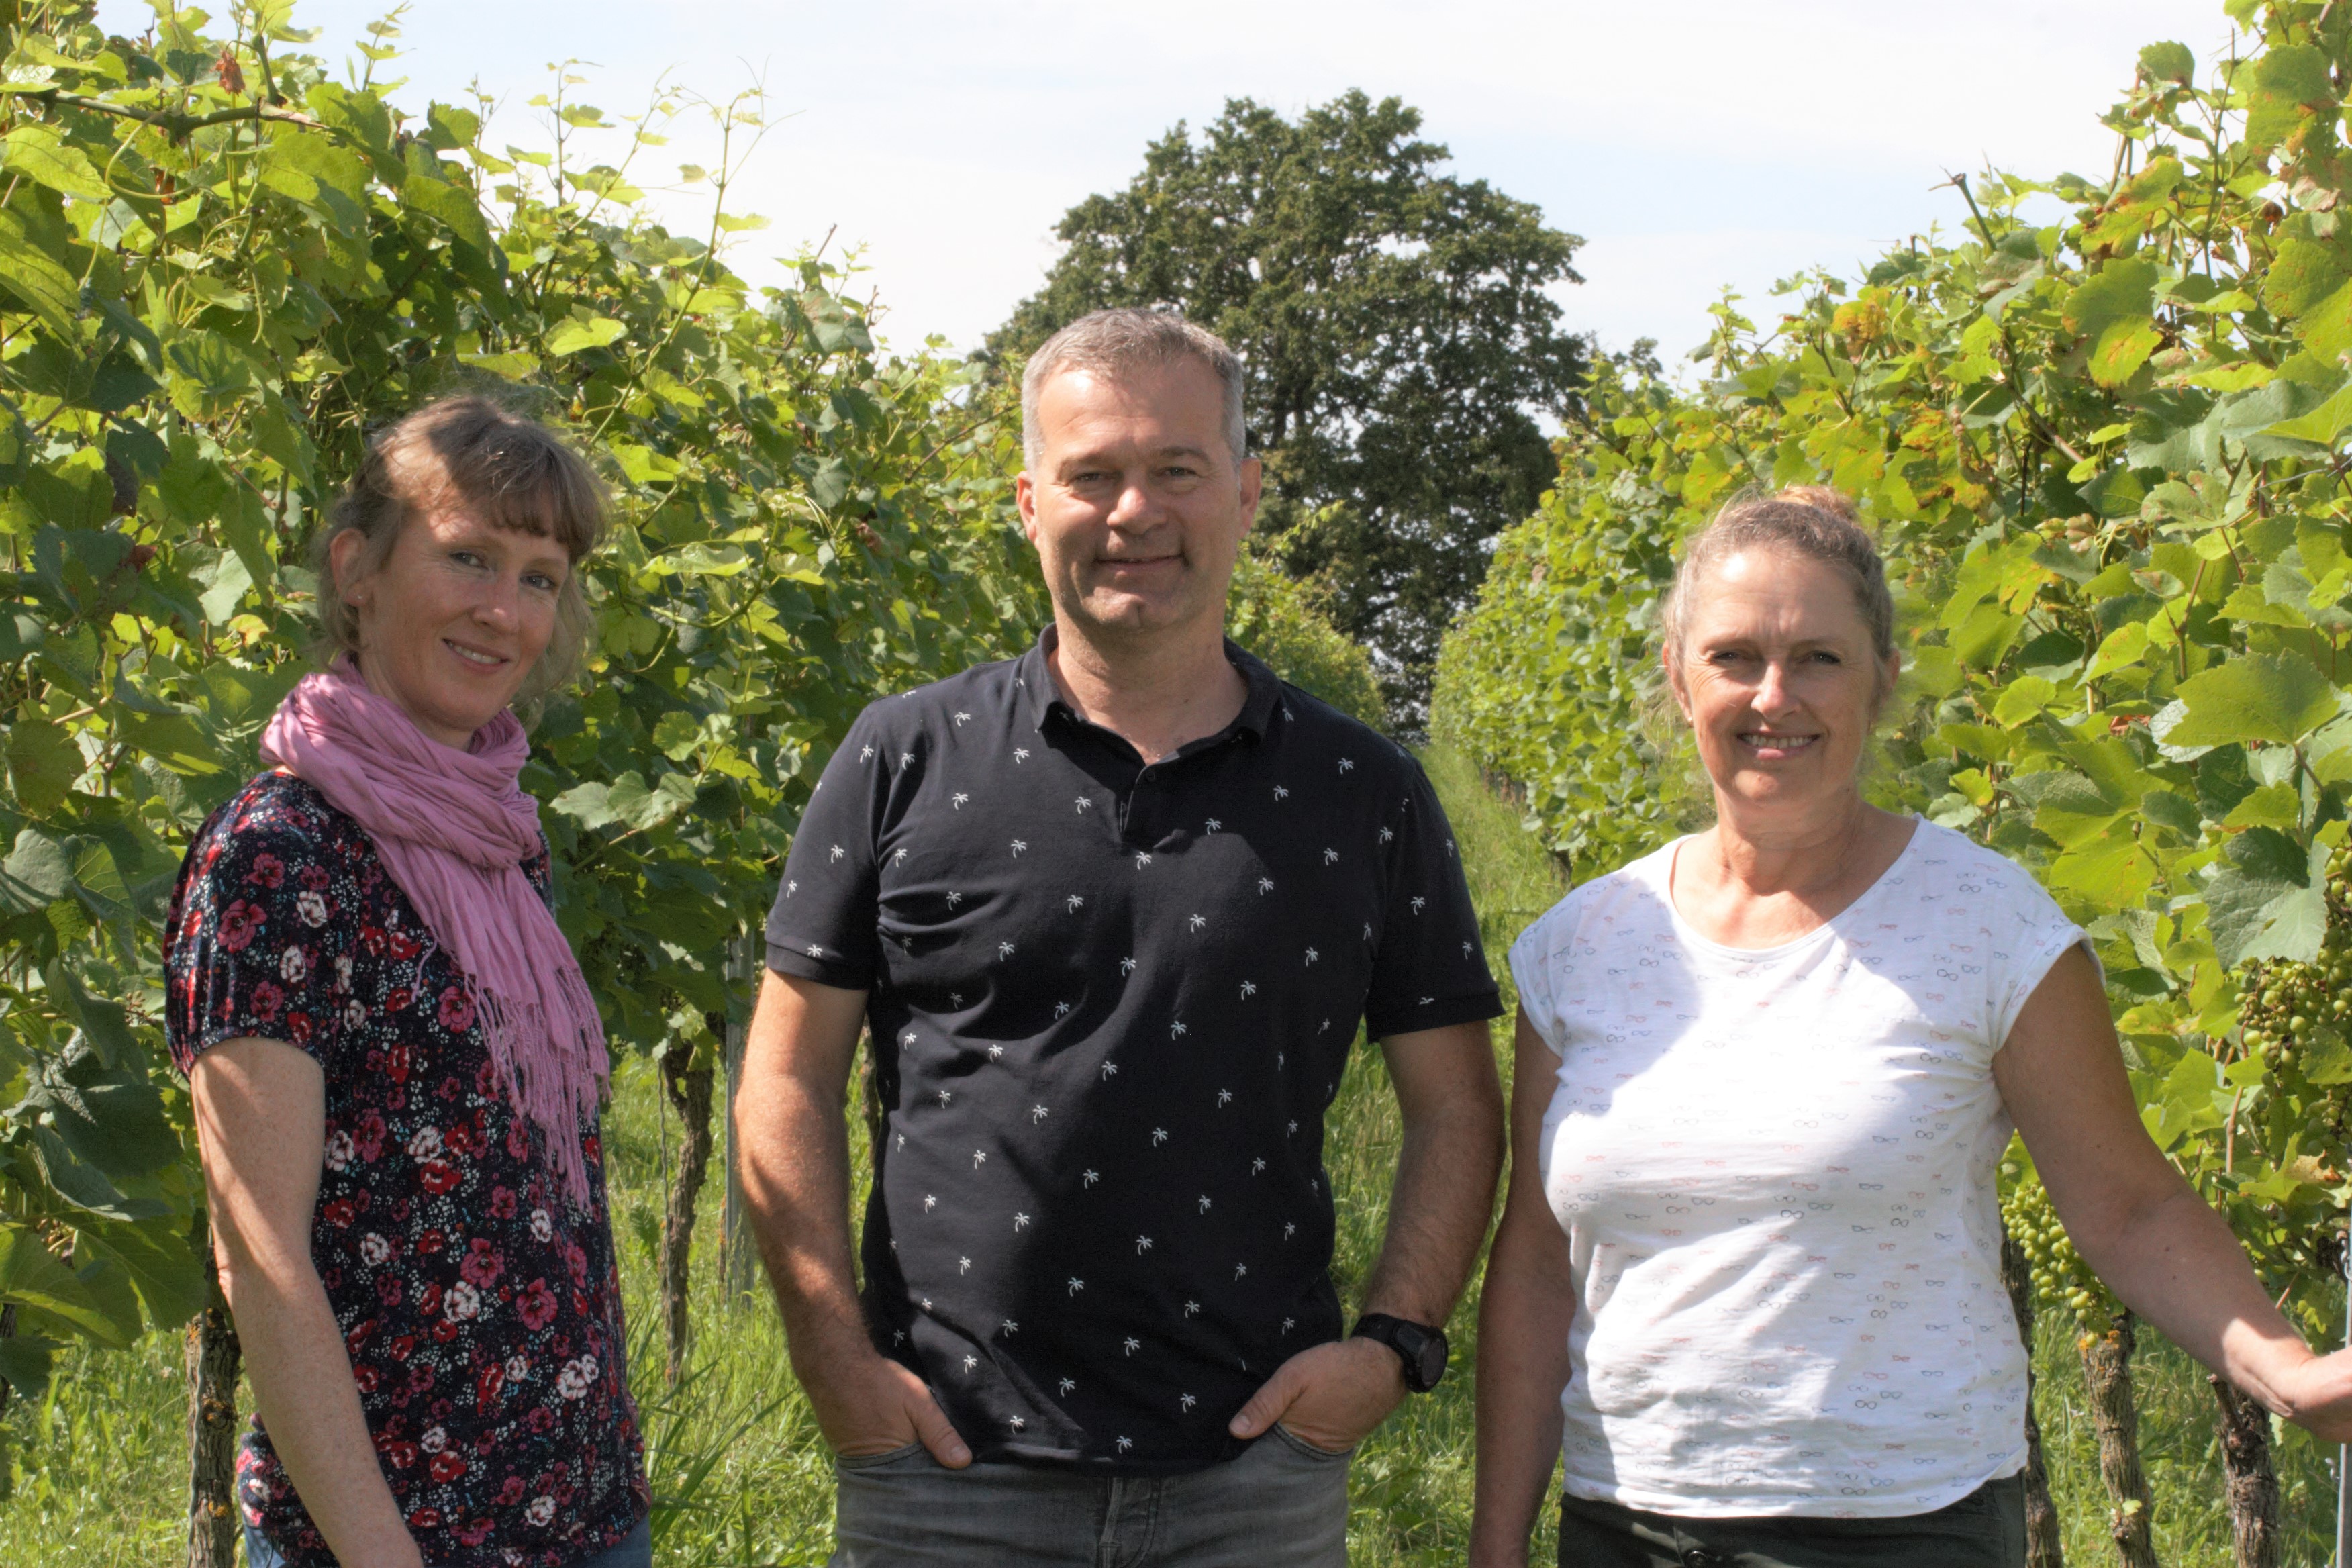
(98, 1466)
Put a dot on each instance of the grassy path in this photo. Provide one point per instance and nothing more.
(98, 1465)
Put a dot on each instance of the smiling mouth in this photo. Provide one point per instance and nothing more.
(473, 656)
(1776, 742)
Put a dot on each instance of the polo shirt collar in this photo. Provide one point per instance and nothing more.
(1039, 696)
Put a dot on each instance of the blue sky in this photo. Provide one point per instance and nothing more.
(1705, 144)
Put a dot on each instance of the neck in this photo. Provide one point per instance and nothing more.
(1784, 851)
(1157, 693)
(456, 740)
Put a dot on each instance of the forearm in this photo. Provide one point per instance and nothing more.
(1523, 1320)
(2174, 1261)
(794, 1138)
(305, 1392)
(1438, 1210)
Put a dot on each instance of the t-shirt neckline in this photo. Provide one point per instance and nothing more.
(1689, 934)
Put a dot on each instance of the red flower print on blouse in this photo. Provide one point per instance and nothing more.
(482, 1265)
(239, 924)
(537, 1306)
(456, 1008)
(487, 1396)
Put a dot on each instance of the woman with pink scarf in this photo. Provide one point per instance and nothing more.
(394, 1062)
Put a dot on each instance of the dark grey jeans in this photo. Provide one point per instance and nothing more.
(1985, 1529)
(1280, 1502)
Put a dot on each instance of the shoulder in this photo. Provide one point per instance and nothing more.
(1947, 863)
(1629, 904)
(1300, 719)
(910, 717)
(277, 815)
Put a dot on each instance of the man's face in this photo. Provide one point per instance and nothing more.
(1135, 504)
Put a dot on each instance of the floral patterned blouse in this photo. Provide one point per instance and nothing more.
(482, 1312)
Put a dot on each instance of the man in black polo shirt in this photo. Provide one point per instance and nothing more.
(1113, 911)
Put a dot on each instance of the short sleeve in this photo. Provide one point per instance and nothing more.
(1431, 969)
(2024, 961)
(257, 943)
(1532, 975)
(826, 922)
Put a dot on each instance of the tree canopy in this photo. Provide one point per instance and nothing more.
(1403, 343)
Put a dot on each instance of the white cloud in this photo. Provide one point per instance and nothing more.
(1714, 142)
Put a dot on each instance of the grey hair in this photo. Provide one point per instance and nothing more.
(1811, 520)
(1109, 343)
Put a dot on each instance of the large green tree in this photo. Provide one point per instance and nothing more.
(1404, 349)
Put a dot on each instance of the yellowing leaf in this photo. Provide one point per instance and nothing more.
(2123, 348)
(38, 153)
(571, 334)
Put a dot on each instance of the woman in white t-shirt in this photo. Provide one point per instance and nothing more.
(1748, 1277)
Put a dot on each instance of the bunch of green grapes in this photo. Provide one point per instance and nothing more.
(2281, 1003)
(2060, 1278)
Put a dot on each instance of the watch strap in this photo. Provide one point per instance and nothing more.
(1411, 1341)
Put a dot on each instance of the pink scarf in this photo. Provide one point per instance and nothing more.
(453, 828)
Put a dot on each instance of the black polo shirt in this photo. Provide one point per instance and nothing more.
(1110, 1004)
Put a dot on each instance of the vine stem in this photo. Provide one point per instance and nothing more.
(2042, 427)
(175, 125)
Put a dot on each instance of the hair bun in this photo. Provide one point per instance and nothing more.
(1821, 497)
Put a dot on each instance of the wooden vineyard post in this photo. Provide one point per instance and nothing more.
(738, 1256)
(7, 1471)
(2343, 1451)
(2045, 1541)
(214, 1361)
(685, 1077)
(2253, 1483)
(2115, 1414)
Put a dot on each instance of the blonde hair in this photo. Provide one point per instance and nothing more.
(512, 471)
(1812, 521)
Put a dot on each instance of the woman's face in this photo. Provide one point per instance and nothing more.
(1778, 679)
(455, 619)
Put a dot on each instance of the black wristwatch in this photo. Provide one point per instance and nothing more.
(1421, 1348)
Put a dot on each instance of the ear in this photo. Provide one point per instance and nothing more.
(1253, 481)
(1673, 667)
(1024, 498)
(1890, 671)
(345, 553)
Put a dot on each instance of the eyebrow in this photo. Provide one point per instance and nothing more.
(1098, 459)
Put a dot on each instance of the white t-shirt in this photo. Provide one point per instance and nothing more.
(1777, 1172)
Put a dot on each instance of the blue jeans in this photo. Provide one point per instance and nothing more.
(635, 1552)
(1280, 1502)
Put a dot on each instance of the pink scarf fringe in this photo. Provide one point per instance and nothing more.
(453, 828)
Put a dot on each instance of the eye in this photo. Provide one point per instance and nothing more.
(1823, 656)
(543, 582)
(466, 557)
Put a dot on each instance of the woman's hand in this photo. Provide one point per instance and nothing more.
(2162, 1250)
(261, 1123)
(2315, 1394)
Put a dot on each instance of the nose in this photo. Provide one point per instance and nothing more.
(500, 602)
(1772, 693)
(1133, 509)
